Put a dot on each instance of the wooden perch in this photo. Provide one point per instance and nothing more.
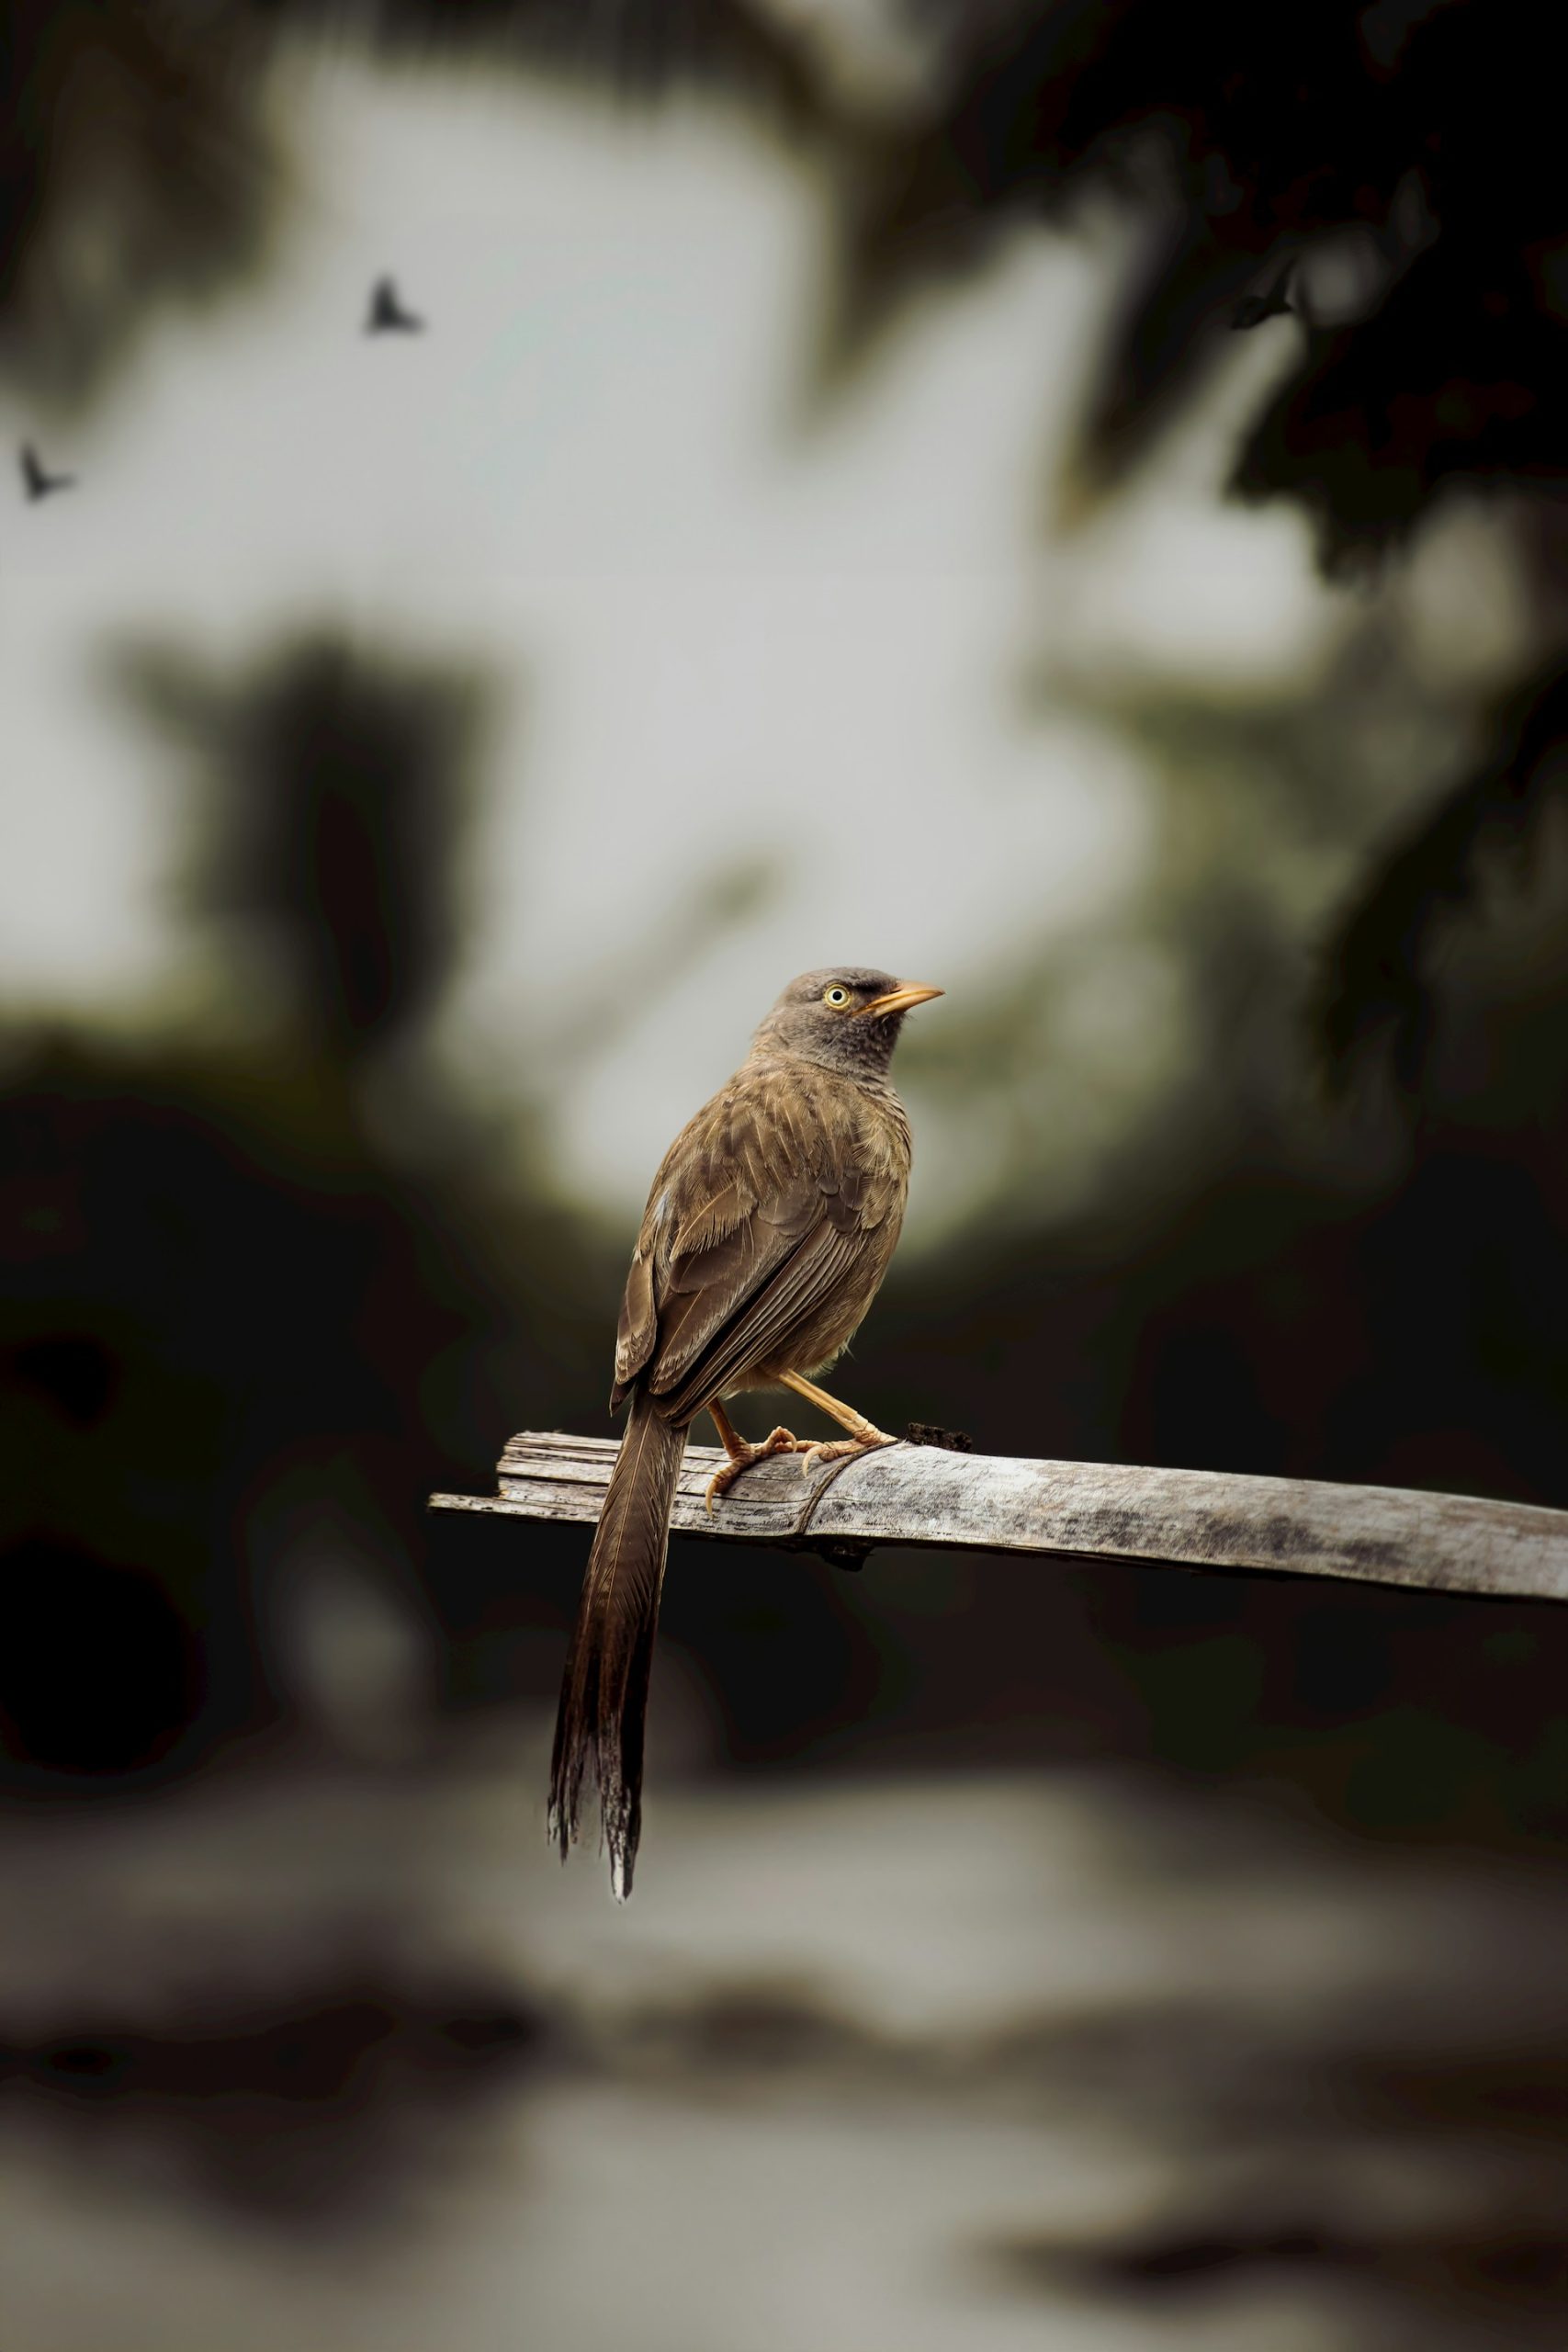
(925, 1496)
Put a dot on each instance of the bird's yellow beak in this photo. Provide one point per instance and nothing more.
(900, 999)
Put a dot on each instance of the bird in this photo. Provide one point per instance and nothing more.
(38, 481)
(1273, 302)
(769, 1227)
(387, 314)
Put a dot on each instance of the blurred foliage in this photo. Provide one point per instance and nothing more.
(640, 47)
(1411, 144)
(1377, 979)
(145, 158)
(329, 834)
(138, 168)
(1150, 1046)
(1407, 147)
(1401, 155)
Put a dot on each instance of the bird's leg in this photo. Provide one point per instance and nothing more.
(864, 1435)
(741, 1453)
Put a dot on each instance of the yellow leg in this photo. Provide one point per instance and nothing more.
(742, 1455)
(864, 1437)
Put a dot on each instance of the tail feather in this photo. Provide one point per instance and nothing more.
(604, 1696)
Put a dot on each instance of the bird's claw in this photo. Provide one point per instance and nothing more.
(778, 1442)
(840, 1449)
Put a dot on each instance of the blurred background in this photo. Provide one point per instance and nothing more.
(816, 505)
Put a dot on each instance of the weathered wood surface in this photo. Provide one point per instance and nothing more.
(1084, 1510)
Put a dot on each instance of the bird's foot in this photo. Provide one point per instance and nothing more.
(742, 1455)
(840, 1449)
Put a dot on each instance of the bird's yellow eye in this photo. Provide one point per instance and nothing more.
(835, 995)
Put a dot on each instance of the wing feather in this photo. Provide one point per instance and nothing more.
(789, 1301)
(756, 1217)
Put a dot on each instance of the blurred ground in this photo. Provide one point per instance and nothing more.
(309, 2056)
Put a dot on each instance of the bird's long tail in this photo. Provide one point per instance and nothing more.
(604, 1694)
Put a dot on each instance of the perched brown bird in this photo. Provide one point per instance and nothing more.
(768, 1230)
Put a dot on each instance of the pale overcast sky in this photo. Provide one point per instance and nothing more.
(716, 630)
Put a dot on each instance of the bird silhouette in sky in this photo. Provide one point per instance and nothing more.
(1273, 302)
(387, 315)
(37, 479)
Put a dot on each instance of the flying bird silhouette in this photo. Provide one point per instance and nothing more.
(1273, 302)
(387, 315)
(37, 479)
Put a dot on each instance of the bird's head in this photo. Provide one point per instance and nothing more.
(844, 1017)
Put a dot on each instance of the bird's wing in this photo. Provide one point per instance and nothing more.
(790, 1300)
(32, 473)
(758, 1214)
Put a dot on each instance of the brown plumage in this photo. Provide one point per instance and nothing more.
(768, 1229)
